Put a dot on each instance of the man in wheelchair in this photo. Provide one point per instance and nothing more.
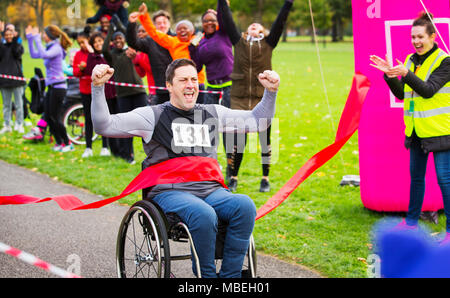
(181, 128)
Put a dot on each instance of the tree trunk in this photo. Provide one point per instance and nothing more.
(41, 14)
(3, 7)
(259, 11)
(167, 6)
(334, 29)
(38, 11)
(284, 38)
(337, 29)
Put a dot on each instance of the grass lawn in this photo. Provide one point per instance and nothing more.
(321, 225)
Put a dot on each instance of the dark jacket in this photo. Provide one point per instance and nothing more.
(438, 78)
(11, 63)
(251, 58)
(124, 70)
(93, 60)
(158, 56)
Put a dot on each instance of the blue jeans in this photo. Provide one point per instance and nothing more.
(7, 93)
(418, 165)
(201, 216)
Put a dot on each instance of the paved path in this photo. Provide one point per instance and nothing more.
(63, 238)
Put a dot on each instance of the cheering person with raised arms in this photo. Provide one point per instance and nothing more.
(178, 46)
(53, 55)
(199, 203)
(252, 55)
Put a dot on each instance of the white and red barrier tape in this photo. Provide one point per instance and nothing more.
(4, 76)
(32, 260)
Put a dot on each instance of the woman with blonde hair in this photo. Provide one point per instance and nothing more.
(57, 42)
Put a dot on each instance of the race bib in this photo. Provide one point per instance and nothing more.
(190, 135)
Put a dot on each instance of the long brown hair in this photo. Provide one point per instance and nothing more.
(63, 37)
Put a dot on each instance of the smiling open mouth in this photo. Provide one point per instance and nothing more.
(189, 94)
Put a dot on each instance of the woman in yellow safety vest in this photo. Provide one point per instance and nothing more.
(425, 88)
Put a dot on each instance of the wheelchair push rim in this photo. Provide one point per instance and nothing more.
(142, 244)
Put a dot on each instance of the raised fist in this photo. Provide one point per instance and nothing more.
(133, 17)
(143, 9)
(270, 80)
(101, 74)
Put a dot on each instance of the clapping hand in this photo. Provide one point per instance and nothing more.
(31, 30)
(386, 66)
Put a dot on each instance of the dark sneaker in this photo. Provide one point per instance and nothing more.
(431, 216)
(264, 186)
(232, 185)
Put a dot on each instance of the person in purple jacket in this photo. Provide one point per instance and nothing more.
(215, 51)
(53, 54)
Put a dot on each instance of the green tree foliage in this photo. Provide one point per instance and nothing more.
(330, 16)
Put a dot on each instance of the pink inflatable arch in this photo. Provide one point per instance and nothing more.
(380, 28)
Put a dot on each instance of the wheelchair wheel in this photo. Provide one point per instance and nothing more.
(74, 122)
(142, 248)
(249, 269)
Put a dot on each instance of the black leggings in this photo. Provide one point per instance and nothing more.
(88, 127)
(52, 109)
(114, 143)
(234, 157)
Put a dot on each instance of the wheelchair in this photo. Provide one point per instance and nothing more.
(73, 114)
(145, 237)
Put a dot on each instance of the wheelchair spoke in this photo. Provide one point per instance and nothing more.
(141, 250)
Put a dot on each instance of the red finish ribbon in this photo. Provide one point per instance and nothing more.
(347, 126)
(194, 168)
(175, 170)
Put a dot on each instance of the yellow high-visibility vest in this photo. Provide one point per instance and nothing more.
(429, 117)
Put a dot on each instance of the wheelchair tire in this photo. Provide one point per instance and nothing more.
(142, 248)
(251, 259)
(74, 122)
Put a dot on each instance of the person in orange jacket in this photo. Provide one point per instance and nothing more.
(178, 46)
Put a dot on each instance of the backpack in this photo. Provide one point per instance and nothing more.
(37, 87)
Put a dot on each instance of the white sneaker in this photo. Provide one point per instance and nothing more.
(67, 148)
(34, 134)
(87, 153)
(105, 152)
(5, 129)
(19, 128)
(57, 148)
